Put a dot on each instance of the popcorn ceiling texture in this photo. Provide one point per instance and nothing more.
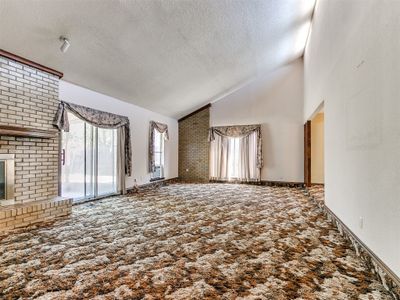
(29, 98)
(194, 147)
(188, 241)
(169, 56)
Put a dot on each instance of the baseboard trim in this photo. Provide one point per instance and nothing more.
(381, 271)
(264, 182)
(235, 182)
(283, 183)
(151, 185)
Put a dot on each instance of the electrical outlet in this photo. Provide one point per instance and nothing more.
(361, 222)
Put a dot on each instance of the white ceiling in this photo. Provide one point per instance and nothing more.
(170, 56)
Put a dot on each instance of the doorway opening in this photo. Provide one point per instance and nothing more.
(317, 149)
(314, 153)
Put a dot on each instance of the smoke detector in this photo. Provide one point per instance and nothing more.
(65, 44)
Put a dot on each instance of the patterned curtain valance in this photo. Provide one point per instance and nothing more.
(99, 119)
(239, 131)
(161, 128)
(233, 131)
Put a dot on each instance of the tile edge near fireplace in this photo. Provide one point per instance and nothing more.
(7, 179)
(22, 215)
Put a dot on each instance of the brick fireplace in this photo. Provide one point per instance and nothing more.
(28, 103)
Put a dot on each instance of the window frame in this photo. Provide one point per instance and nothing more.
(161, 153)
(91, 144)
(233, 161)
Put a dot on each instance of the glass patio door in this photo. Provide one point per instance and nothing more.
(106, 161)
(88, 160)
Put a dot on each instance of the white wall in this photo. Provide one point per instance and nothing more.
(276, 102)
(139, 119)
(352, 62)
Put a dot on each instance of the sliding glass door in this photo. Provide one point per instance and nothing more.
(88, 160)
(106, 161)
(73, 159)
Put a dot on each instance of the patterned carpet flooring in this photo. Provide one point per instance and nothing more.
(187, 241)
(317, 191)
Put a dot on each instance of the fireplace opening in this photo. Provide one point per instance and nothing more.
(6, 178)
(2, 180)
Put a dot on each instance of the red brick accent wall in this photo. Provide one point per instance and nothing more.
(194, 147)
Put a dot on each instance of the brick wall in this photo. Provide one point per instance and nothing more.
(29, 98)
(194, 147)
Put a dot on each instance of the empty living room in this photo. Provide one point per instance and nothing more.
(200, 149)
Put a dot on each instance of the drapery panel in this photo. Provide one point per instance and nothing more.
(240, 131)
(121, 185)
(99, 119)
(161, 128)
(234, 158)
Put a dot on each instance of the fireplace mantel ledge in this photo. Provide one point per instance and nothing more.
(27, 132)
(55, 200)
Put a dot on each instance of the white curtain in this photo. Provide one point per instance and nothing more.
(234, 158)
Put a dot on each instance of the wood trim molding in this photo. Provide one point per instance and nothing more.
(385, 268)
(151, 185)
(195, 112)
(26, 132)
(307, 153)
(30, 63)
(263, 182)
(283, 183)
(157, 179)
(381, 271)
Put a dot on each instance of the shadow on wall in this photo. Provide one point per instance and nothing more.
(268, 153)
(275, 100)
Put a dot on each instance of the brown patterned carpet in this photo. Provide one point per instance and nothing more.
(187, 241)
(317, 191)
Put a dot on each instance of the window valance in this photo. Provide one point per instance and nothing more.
(161, 128)
(239, 131)
(100, 119)
(233, 131)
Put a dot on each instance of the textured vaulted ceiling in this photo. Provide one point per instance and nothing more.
(170, 56)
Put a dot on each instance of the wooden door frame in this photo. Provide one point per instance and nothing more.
(307, 153)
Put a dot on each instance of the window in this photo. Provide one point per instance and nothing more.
(234, 158)
(158, 155)
(89, 160)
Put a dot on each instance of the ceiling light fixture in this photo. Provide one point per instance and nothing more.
(65, 44)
